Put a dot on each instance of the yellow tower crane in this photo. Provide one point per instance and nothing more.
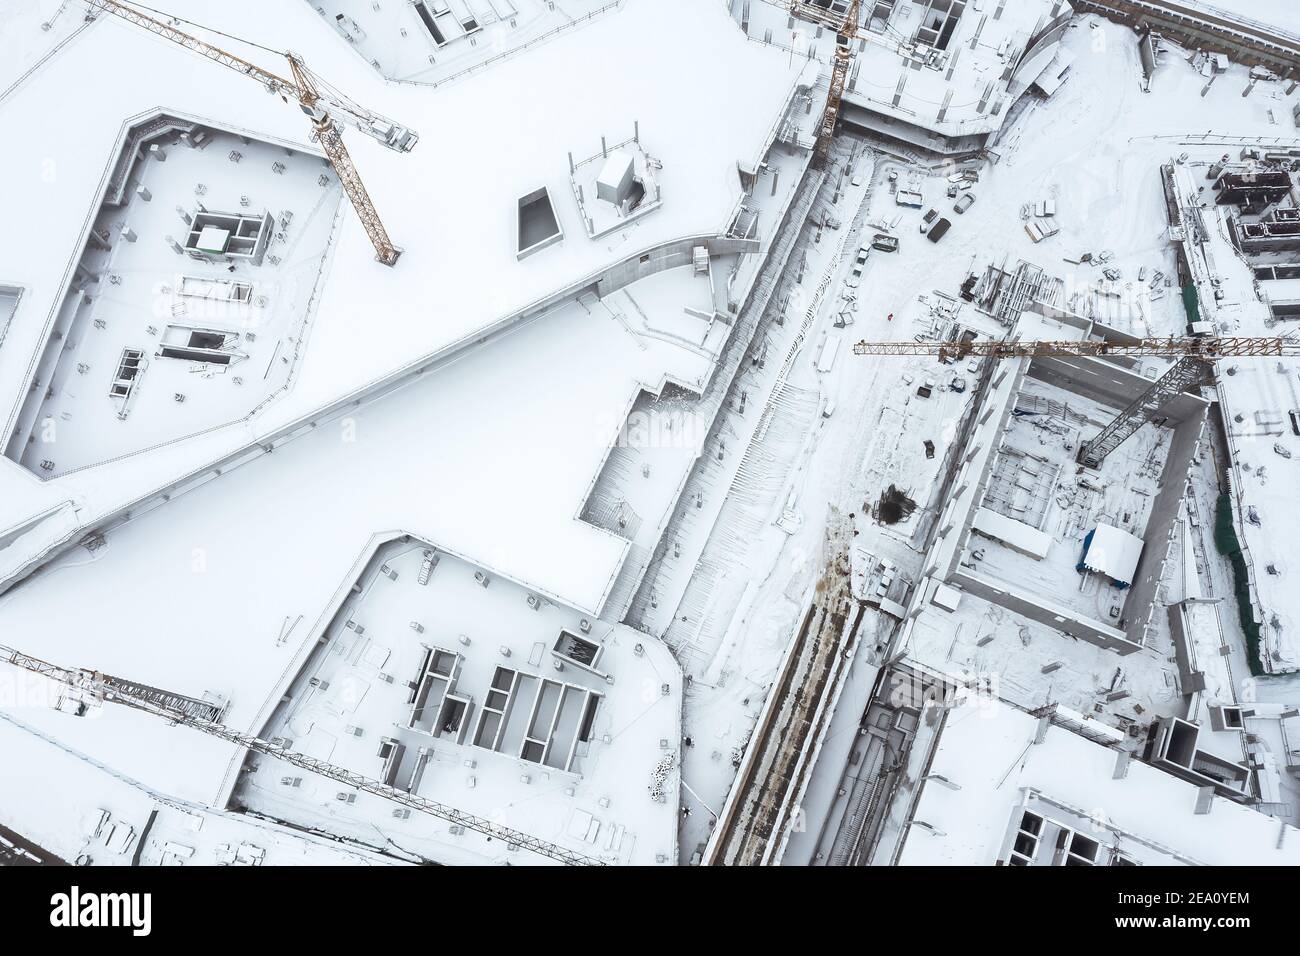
(324, 106)
(841, 17)
(1194, 367)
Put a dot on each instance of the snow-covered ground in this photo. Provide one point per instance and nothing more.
(1096, 148)
(990, 764)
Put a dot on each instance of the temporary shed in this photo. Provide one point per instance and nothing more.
(1014, 534)
(1110, 551)
(614, 182)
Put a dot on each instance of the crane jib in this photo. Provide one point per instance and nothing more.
(321, 109)
(1207, 349)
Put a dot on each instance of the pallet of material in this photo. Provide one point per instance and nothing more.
(1039, 230)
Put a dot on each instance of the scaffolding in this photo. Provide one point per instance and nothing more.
(1006, 295)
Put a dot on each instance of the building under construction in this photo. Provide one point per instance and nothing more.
(220, 307)
(1028, 527)
(928, 76)
(943, 76)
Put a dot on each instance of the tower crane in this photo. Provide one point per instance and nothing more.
(87, 689)
(1194, 367)
(845, 25)
(324, 106)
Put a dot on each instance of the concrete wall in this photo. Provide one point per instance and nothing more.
(668, 256)
(1116, 387)
(1140, 608)
(1191, 679)
(1042, 610)
(958, 512)
(1196, 29)
(1040, 50)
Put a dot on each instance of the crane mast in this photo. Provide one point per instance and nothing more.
(1194, 367)
(93, 687)
(320, 109)
(846, 31)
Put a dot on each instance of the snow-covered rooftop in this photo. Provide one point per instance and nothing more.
(157, 339)
(547, 442)
(458, 275)
(529, 709)
(97, 816)
(1113, 552)
(498, 480)
(992, 758)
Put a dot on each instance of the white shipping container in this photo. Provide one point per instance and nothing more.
(830, 349)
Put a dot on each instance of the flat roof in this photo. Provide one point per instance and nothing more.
(146, 293)
(458, 275)
(596, 805)
(1113, 552)
(454, 221)
(102, 814)
(1015, 533)
(456, 457)
(987, 749)
(397, 40)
